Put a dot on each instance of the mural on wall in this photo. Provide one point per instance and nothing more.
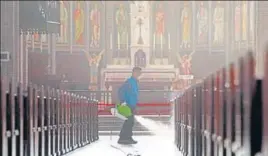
(202, 18)
(79, 22)
(218, 24)
(64, 22)
(159, 29)
(185, 25)
(95, 17)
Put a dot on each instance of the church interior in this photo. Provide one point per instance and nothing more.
(168, 39)
(89, 48)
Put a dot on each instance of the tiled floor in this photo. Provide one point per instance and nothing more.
(147, 146)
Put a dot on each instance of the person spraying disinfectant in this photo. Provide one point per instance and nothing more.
(128, 97)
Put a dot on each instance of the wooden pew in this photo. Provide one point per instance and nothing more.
(248, 83)
(230, 109)
(208, 125)
(265, 108)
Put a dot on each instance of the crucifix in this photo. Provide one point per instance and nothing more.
(140, 22)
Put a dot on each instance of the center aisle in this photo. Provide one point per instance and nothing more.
(147, 146)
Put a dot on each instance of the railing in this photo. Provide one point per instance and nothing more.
(151, 102)
(44, 122)
(223, 115)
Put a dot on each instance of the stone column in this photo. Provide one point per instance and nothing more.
(10, 37)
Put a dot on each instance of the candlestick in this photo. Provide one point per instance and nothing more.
(161, 39)
(111, 40)
(169, 41)
(154, 42)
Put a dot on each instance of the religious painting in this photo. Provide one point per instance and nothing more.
(202, 23)
(185, 25)
(159, 28)
(121, 29)
(244, 16)
(218, 20)
(95, 18)
(64, 22)
(122, 24)
(237, 21)
(79, 22)
(252, 20)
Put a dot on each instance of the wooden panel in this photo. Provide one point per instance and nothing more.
(75, 66)
(37, 65)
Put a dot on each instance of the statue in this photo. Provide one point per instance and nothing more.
(94, 61)
(186, 63)
(218, 21)
(202, 21)
(95, 26)
(186, 18)
(79, 18)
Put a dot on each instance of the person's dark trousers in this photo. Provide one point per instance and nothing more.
(126, 131)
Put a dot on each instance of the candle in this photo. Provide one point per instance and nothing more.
(154, 41)
(169, 41)
(161, 39)
(111, 40)
(127, 41)
(21, 57)
(41, 43)
(118, 41)
(27, 37)
(32, 41)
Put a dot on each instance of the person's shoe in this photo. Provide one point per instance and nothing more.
(124, 141)
(133, 141)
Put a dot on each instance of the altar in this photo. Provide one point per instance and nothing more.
(154, 76)
(151, 78)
